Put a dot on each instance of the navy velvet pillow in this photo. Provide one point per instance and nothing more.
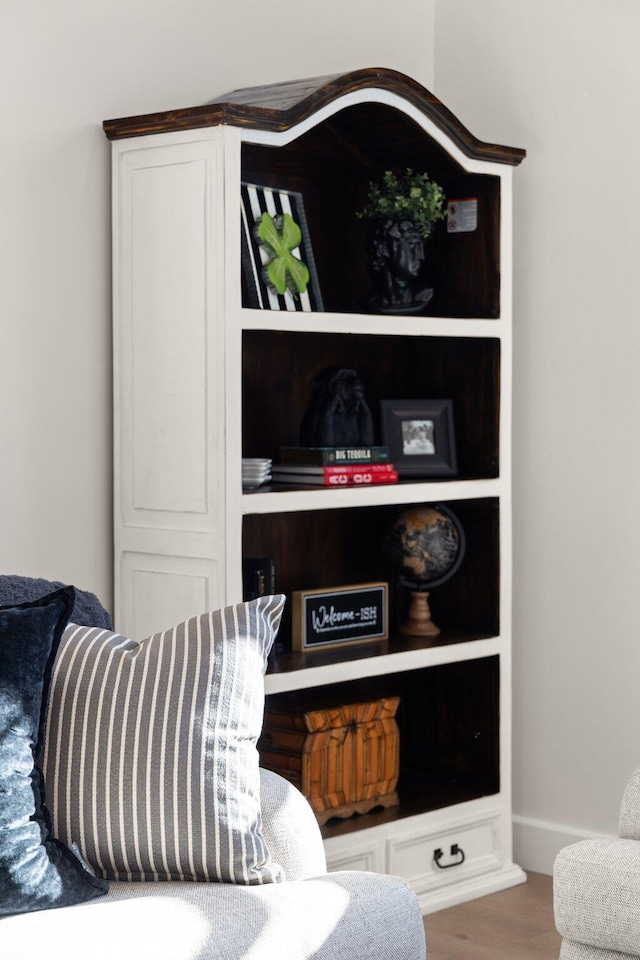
(36, 871)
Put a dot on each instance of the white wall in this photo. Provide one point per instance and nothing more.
(562, 79)
(65, 66)
(558, 77)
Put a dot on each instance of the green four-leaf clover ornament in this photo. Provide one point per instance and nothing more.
(279, 236)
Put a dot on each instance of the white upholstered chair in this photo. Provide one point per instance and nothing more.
(596, 885)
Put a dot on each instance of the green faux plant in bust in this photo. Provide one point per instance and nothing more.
(413, 196)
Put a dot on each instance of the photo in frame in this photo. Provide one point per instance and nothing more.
(278, 267)
(420, 436)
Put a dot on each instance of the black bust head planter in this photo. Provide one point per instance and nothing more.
(402, 211)
(396, 256)
(337, 414)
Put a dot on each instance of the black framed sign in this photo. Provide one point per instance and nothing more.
(420, 437)
(340, 615)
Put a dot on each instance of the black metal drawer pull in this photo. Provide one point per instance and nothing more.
(456, 851)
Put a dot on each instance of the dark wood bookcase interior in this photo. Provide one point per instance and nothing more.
(449, 714)
(448, 720)
(278, 368)
(329, 548)
(332, 166)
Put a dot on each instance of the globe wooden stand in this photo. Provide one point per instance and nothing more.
(419, 622)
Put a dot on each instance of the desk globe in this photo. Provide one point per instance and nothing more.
(426, 546)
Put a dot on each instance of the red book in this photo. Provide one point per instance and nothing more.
(361, 478)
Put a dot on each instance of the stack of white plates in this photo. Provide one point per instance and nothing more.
(255, 472)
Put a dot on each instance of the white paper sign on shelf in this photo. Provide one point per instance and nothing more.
(462, 215)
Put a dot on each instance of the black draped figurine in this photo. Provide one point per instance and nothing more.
(337, 414)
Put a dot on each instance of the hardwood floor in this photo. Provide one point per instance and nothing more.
(515, 924)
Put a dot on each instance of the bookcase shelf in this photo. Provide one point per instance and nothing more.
(368, 324)
(332, 164)
(203, 380)
(280, 365)
(281, 499)
(447, 756)
(293, 670)
(347, 546)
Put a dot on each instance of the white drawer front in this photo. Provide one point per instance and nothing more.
(355, 856)
(476, 850)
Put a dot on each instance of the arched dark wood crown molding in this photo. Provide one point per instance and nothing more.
(280, 106)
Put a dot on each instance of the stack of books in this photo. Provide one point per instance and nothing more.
(334, 466)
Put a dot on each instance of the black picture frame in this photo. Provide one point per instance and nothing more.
(257, 199)
(420, 436)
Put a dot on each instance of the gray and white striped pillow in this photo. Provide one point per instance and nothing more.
(150, 761)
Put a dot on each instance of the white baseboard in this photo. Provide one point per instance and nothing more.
(536, 843)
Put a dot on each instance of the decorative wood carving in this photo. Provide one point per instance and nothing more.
(345, 759)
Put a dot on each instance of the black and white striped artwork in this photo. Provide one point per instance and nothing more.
(257, 291)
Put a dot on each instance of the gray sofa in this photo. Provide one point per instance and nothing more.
(312, 915)
(596, 885)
